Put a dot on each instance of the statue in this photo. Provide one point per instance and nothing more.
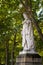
(27, 34)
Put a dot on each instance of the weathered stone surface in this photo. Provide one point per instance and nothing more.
(29, 59)
(27, 34)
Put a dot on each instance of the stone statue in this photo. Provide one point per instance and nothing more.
(27, 34)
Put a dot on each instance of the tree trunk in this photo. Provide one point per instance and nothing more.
(0, 60)
(12, 57)
(7, 54)
(13, 48)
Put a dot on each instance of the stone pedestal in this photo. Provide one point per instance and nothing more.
(29, 59)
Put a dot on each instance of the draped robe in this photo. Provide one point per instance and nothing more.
(27, 35)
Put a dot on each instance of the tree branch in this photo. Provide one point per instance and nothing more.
(22, 3)
(30, 15)
(38, 28)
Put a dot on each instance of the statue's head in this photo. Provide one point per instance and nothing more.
(25, 15)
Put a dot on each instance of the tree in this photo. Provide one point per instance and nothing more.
(29, 9)
(11, 21)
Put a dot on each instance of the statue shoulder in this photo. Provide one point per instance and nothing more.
(23, 21)
(27, 21)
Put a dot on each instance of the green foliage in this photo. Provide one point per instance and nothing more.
(11, 23)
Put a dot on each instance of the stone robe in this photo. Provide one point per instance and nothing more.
(27, 35)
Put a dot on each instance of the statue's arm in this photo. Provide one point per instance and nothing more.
(24, 22)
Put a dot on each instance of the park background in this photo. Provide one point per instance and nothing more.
(11, 17)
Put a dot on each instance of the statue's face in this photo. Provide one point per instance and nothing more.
(25, 15)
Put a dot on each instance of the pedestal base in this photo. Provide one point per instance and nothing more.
(29, 59)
